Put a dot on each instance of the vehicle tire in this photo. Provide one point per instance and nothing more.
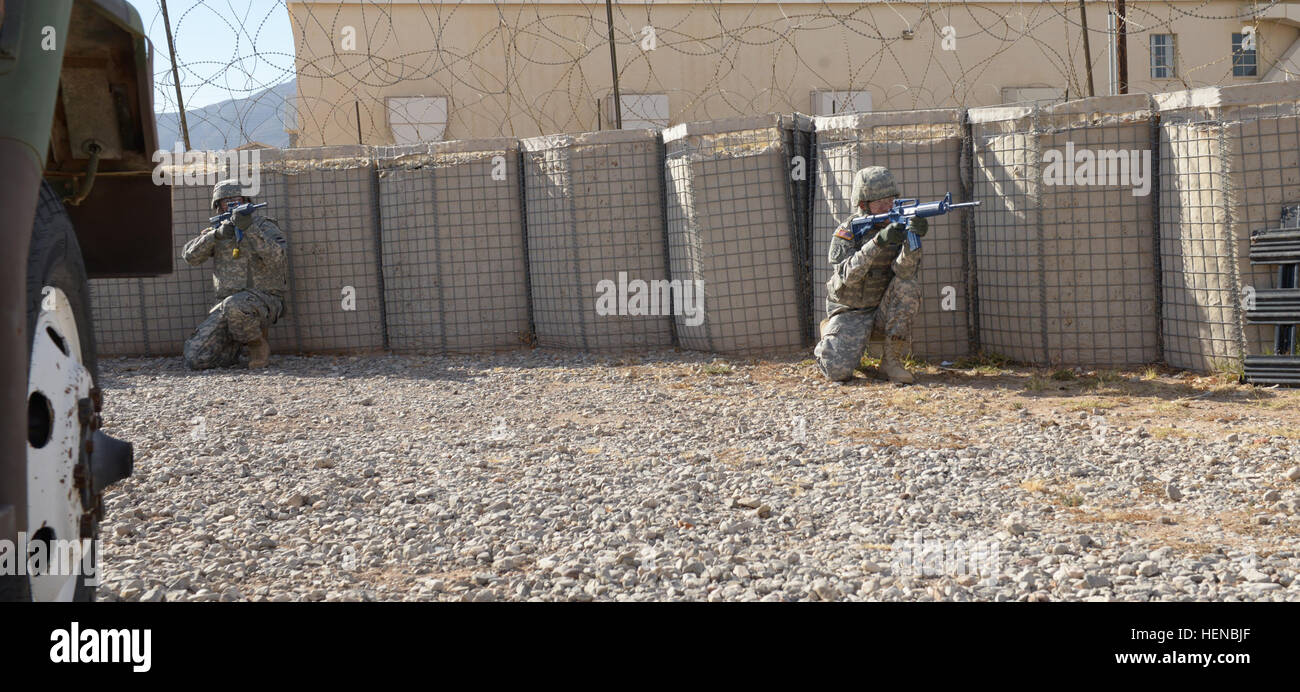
(55, 262)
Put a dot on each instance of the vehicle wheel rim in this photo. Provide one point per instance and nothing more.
(57, 383)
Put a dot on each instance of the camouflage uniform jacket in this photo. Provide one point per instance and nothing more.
(262, 264)
(861, 270)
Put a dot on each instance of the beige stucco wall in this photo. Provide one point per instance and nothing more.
(516, 69)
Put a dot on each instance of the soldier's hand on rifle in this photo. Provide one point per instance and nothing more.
(918, 225)
(242, 216)
(892, 234)
(226, 231)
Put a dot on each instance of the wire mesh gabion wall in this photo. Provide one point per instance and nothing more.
(1199, 276)
(1064, 242)
(453, 253)
(923, 150)
(118, 314)
(1066, 266)
(733, 231)
(1007, 243)
(1229, 162)
(1099, 235)
(596, 240)
(326, 201)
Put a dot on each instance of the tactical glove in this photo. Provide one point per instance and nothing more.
(242, 220)
(892, 234)
(226, 231)
(918, 225)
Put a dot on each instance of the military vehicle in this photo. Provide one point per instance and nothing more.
(77, 201)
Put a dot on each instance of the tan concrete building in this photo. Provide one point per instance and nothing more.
(400, 70)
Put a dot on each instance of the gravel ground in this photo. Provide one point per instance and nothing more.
(541, 475)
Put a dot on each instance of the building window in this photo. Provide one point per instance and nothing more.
(416, 119)
(1162, 56)
(1243, 55)
(840, 102)
(640, 111)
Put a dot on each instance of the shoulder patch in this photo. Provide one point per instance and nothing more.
(844, 232)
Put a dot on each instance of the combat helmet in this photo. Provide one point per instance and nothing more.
(227, 188)
(873, 183)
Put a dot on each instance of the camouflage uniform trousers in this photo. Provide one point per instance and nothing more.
(840, 350)
(235, 321)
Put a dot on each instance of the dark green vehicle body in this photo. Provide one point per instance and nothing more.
(76, 79)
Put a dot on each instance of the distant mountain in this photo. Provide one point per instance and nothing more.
(261, 117)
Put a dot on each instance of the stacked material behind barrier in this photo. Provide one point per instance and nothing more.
(453, 250)
(1063, 265)
(733, 225)
(923, 149)
(1228, 164)
(595, 214)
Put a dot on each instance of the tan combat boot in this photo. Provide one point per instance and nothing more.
(892, 362)
(259, 352)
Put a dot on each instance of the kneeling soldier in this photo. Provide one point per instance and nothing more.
(874, 278)
(251, 278)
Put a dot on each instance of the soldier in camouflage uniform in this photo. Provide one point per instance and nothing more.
(250, 278)
(873, 282)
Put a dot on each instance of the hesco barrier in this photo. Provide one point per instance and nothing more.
(1229, 162)
(594, 206)
(327, 202)
(735, 227)
(119, 317)
(923, 150)
(1099, 238)
(324, 201)
(1063, 252)
(453, 246)
(425, 249)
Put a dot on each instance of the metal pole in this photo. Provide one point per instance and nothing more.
(1087, 52)
(358, 105)
(613, 66)
(1110, 53)
(180, 102)
(1121, 50)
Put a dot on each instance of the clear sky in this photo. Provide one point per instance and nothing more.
(225, 48)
